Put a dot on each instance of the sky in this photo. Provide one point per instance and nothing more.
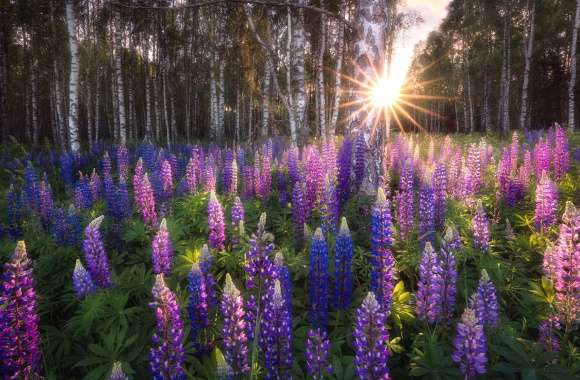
(433, 12)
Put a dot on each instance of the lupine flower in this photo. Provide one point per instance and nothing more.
(343, 267)
(66, 229)
(561, 153)
(329, 207)
(166, 179)
(542, 157)
(426, 214)
(123, 202)
(382, 260)
(546, 203)
(166, 356)
(191, 176)
(19, 333)
(230, 173)
(14, 212)
(117, 372)
(405, 202)
(276, 339)
(234, 335)
(481, 233)
(484, 302)
(318, 281)
(293, 170)
(370, 340)
(31, 187)
(439, 181)
(264, 185)
(107, 165)
(470, 346)
(317, 358)
(329, 158)
(314, 183)
(67, 168)
(138, 184)
(198, 307)
(298, 214)
(430, 286)
(123, 162)
(449, 277)
(283, 275)
(260, 274)
(205, 264)
(561, 263)
(83, 198)
(46, 203)
(147, 203)
(209, 184)
(237, 213)
(359, 160)
(344, 169)
(95, 255)
(162, 250)
(215, 220)
(82, 282)
(282, 188)
(525, 171)
(96, 185)
(248, 182)
(548, 333)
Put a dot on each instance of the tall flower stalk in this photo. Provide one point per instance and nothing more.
(546, 203)
(162, 250)
(215, 220)
(317, 354)
(234, 329)
(318, 281)
(198, 307)
(82, 281)
(343, 267)
(470, 350)
(484, 302)
(481, 233)
(382, 260)
(430, 286)
(95, 255)
(19, 332)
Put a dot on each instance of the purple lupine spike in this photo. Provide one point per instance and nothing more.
(215, 220)
(19, 332)
(293, 170)
(329, 157)
(95, 255)
(298, 214)
(329, 208)
(167, 356)
(162, 250)
(561, 153)
(430, 287)
(31, 186)
(282, 188)
(138, 184)
(283, 274)
(317, 354)
(123, 161)
(67, 168)
(542, 157)
(426, 214)
(96, 185)
(147, 202)
(14, 212)
(276, 339)
(198, 307)
(209, 184)
(449, 277)
(484, 302)
(359, 159)
(405, 201)
(205, 264)
(561, 263)
(314, 182)
(343, 267)
(382, 260)
(230, 174)
(439, 181)
(265, 175)
(107, 165)
(548, 333)
(525, 171)
(82, 282)
(83, 198)
(481, 233)
(191, 176)
(166, 179)
(344, 169)
(371, 338)
(547, 197)
(237, 213)
(470, 346)
(46, 204)
(318, 281)
(117, 372)
(248, 183)
(234, 335)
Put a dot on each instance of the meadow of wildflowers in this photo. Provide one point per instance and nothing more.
(276, 262)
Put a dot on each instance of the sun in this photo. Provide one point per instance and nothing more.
(385, 93)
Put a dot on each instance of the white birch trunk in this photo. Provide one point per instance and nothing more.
(321, 92)
(221, 100)
(238, 117)
(528, 52)
(266, 99)
(213, 100)
(120, 90)
(297, 65)
(572, 83)
(71, 23)
(337, 79)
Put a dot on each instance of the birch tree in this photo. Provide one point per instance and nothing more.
(120, 89)
(573, 68)
(528, 53)
(73, 129)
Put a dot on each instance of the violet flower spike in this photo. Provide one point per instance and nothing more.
(95, 255)
(470, 346)
(162, 250)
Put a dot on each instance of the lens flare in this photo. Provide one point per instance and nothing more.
(385, 93)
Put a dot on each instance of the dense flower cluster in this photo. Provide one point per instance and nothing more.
(344, 172)
(234, 329)
(470, 346)
(19, 331)
(359, 159)
(481, 232)
(123, 162)
(426, 214)
(548, 333)
(547, 197)
(343, 276)
(198, 307)
(215, 220)
(117, 372)
(370, 341)
(147, 203)
(484, 302)
(405, 201)
(95, 255)
(167, 356)
(317, 354)
(439, 181)
(230, 173)
(162, 250)
(298, 214)
(329, 207)
(318, 281)
(430, 287)
(382, 260)
(82, 281)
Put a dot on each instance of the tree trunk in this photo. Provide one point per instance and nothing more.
(89, 101)
(508, 75)
(34, 102)
(3, 75)
(71, 23)
(212, 100)
(298, 75)
(166, 121)
(221, 100)
(120, 93)
(321, 92)
(528, 52)
(238, 117)
(572, 83)
(337, 79)
(147, 115)
(266, 100)
(97, 105)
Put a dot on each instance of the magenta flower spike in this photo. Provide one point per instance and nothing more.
(215, 220)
